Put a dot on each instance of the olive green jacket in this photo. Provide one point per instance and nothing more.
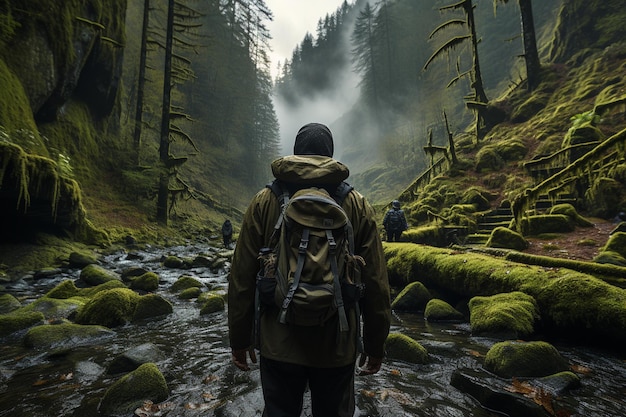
(319, 346)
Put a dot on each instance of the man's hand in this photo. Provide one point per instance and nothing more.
(240, 360)
(369, 365)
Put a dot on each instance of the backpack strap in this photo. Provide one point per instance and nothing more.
(304, 243)
(343, 319)
(282, 194)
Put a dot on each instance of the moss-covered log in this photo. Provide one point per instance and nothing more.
(576, 304)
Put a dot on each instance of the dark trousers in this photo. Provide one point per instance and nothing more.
(394, 235)
(284, 384)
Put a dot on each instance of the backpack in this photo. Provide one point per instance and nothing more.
(394, 220)
(310, 272)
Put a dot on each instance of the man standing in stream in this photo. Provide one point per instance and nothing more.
(319, 357)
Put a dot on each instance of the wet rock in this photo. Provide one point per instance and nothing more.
(135, 357)
(65, 334)
(46, 273)
(134, 271)
(213, 303)
(404, 348)
(492, 394)
(16, 321)
(559, 383)
(503, 237)
(95, 275)
(130, 391)
(55, 308)
(439, 310)
(173, 262)
(189, 293)
(413, 297)
(152, 306)
(511, 315)
(524, 359)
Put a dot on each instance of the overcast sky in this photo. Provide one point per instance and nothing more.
(292, 20)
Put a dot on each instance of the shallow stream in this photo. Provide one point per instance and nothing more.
(204, 383)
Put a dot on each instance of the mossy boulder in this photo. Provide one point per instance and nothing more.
(53, 308)
(152, 306)
(404, 348)
(610, 258)
(440, 311)
(427, 235)
(570, 211)
(65, 289)
(95, 275)
(146, 282)
(546, 223)
(505, 238)
(16, 321)
(213, 304)
(478, 197)
(65, 334)
(559, 383)
(604, 196)
(184, 282)
(512, 314)
(413, 297)
(109, 308)
(129, 392)
(173, 262)
(616, 243)
(189, 293)
(8, 303)
(81, 259)
(524, 359)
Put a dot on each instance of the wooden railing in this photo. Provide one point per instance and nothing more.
(412, 191)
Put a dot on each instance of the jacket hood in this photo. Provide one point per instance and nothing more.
(309, 169)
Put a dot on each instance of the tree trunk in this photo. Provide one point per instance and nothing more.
(141, 81)
(164, 146)
(531, 56)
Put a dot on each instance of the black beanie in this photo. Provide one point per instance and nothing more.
(314, 139)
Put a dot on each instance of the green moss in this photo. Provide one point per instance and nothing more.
(510, 313)
(71, 334)
(65, 289)
(53, 308)
(503, 237)
(146, 282)
(616, 243)
(8, 303)
(570, 211)
(152, 306)
(129, 392)
(20, 320)
(189, 293)
(402, 347)
(439, 310)
(213, 304)
(184, 282)
(413, 297)
(592, 268)
(607, 257)
(546, 223)
(524, 359)
(94, 275)
(109, 308)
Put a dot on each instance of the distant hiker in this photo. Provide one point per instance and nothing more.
(296, 353)
(227, 233)
(395, 222)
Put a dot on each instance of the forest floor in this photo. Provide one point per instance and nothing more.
(583, 244)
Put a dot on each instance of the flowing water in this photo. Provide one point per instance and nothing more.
(202, 381)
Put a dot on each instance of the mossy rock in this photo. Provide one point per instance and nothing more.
(81, 259)
(16, 321)
(488, 159)
(95, 275)
(189, 293)
(129, 392)
(478, 197)
(402, 347)
(604, 196)
(146, 282)
(134, 357)
(152, 306)
(109, 285)
(8, 303)
(505, 238)
(512, 313)
(427, 235)
(559, 383)
(524, 359)
(109, 308)
(616, 243)
(184, 282)
(213, 304)
(53, 308)
(546, 223)
(610, 258)
(440, 311)
(413, 297)
(173, 262)
(536, 102)
(65, 289)
(570, 211)
(65, 334)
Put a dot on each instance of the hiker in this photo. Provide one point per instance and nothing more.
(395, 222)
(320, 357)
(227, 233)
